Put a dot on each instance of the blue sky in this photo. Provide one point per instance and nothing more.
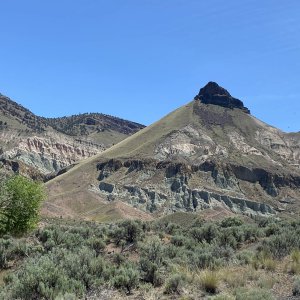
(140, 59)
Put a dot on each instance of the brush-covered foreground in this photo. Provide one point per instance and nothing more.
(227, 259)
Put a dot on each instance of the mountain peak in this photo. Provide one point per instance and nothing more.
(214, 94)
(212, 88)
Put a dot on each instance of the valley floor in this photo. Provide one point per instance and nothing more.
(181, 256)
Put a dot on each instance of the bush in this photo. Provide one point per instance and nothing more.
(97, 245)
(205, 257)
(41, 279)
(19, 207)
(231, 221)
(151, 261)
(126, 277)
(281, 245)
(209, 232)
(178, 240)
(245, 257)
(174, 284)
(128, 231)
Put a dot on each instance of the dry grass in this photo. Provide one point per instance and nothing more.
(234, 278)
(210, 281)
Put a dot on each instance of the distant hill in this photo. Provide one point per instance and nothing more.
(210, 153)
(40, 147)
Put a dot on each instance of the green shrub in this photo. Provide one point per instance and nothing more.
(19, 204)
(204, 257)
(118, 259)
(97, 245)
(231, 221)
(245, 257)
(178, 240)
(42, 279)
(126, 277)
(281, 245)
(129, 231)
(209, 232)
(174, 284)
(171, 251)
(151, 261)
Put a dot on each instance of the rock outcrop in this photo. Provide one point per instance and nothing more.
(212, 93)
(174, 189)
(40, 147)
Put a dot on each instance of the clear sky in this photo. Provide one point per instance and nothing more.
(140, 59)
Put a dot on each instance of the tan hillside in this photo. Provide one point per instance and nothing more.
(41, 147)
(210, 153)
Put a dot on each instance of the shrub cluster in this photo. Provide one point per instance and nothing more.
(69, 259)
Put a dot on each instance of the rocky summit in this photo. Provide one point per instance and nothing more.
(212, 93)
(200, 156)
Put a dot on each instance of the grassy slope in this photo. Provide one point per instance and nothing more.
(72, 186)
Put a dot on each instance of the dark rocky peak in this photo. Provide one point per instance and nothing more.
(214, 94)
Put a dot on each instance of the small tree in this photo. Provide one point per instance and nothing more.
(19, 207)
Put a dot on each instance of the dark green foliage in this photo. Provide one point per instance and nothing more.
(119, 259)
(129, 231)
(97, 245)
(178, 240)
(207, 233)
(231, 221)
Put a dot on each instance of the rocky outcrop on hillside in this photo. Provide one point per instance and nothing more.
(166, 187)
(212, 93)
(40, 147)
(49, 155)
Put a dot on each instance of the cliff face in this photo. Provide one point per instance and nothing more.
(40, 147)
(208, 153)
(165, 187)
(49, 155)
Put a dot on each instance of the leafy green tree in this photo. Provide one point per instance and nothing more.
(19, 204)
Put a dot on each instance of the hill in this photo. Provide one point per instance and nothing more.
(209, 153)
(40, 147)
